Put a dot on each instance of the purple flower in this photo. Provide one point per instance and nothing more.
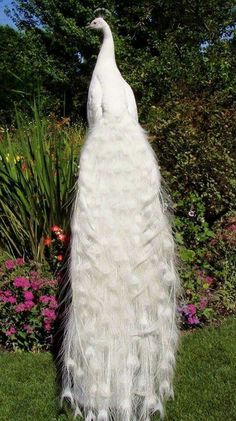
(193, 320)
(9, 264)
(191, 309)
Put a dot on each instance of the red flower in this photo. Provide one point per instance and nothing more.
(56, 229)
(47, 241)
(61, 237)
(60, 258)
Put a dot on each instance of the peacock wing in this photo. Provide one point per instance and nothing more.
(130, 99)
(94, 103)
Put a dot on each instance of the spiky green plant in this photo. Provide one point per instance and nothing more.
(38, 166)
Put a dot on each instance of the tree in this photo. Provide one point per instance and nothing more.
(158, 44)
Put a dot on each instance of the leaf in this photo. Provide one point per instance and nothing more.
(187, 255)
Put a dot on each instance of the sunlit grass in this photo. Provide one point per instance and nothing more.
(205, 381)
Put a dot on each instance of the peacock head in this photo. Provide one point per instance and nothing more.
(98, 23)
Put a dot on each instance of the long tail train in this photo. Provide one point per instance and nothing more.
(121, 333)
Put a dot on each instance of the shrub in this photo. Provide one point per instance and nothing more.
(195, 143)
(28, 305)
(207, 264)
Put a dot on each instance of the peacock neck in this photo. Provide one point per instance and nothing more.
(107, 51)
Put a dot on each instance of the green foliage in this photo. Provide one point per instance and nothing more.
(195, 143)
(25, 70)
(38, 168)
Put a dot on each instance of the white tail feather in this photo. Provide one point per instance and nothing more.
(121, 333)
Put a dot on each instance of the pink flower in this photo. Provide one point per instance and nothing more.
(50, 315)
(44, 299)
(9, 264)
(20, 261)
(20, 307)
(22, 282)
(28, 296)
(35, 285)
(11, 300)
(29, 305)
(203, 303)
(232, 228)
(47, 326)
(11, 331)
(50, 300)
(208, 280)
(7, 293)
(193, 320)
(191, 309)
(53, 302)
(33, 274)
(28, 329)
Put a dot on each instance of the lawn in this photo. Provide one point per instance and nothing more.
(205, 381)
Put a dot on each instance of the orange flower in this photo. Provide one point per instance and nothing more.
(59, 257)
(47, 241)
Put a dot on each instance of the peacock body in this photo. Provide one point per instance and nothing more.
(121, 332)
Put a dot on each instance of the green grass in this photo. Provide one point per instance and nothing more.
(205, 381)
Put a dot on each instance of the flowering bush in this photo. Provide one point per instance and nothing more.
(208, 265)
(28, 306)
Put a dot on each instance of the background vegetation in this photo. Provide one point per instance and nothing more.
(179, 57)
